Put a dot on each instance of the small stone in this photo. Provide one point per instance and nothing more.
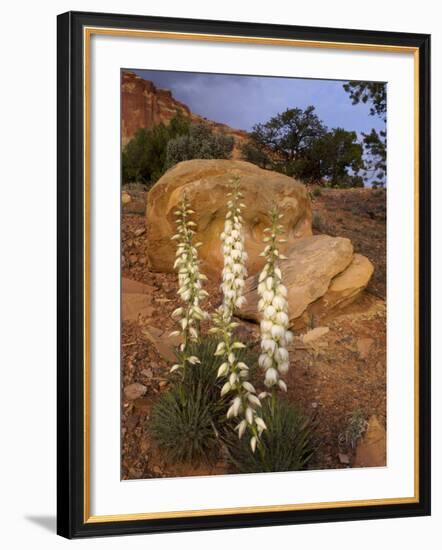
(163, 383)
(314, 405)
(164, 344)
(140, 231)
(364, 346)
(372, 448)
(157, 470)
(144, 445)
(142, 260)
(125, 198)
(134, 391)
(133, 258)
(132, 421)
(147, 373)
(136, 473)
(343, 458)
(134, 305)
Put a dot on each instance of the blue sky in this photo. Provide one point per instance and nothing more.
(242, 101)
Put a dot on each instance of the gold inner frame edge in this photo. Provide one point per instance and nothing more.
(87, 34)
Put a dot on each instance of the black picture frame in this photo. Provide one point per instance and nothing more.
(72, 522)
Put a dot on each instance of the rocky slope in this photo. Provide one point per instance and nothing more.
(338, 358)
(337, 367)
(143, 105)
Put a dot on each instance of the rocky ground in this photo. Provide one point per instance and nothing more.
(337, 370)
(360, 215)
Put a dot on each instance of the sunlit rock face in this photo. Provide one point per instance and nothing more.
(206, 184)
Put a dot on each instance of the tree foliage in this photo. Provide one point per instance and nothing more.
(297, 143)
(373, 93)
(375, 143)
(339, 156)
(289, 134)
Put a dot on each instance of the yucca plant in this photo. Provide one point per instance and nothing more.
(187, 420)
(182, 425)
(286, 445)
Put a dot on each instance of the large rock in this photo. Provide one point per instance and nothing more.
(343, 290)
(347, 285)
(307, 273)
(206, 183)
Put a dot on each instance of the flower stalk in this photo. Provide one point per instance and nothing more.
(275, 336)
(235, 256)
(190, 314)
(244, 402)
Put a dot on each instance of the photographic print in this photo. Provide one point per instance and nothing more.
(225, 333)
(253, 274)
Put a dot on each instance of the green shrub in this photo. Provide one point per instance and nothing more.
(199, 143)
(144, 156)
(188, 418)
(286, 445)
(256, 155)
(354, 430)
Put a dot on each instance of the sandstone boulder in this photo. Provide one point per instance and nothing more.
(307, 273)
(206, 183)
(343, 289)
(347, 285)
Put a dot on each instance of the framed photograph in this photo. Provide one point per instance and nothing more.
(243, 274)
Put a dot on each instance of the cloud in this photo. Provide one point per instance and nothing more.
(242, 101)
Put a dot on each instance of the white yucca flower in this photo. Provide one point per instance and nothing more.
(244, 403)
(275, 336)
(188, 316)
(235, 256)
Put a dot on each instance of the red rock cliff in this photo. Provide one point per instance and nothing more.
(143, 105)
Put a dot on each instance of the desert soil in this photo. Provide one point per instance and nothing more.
(331, 377)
